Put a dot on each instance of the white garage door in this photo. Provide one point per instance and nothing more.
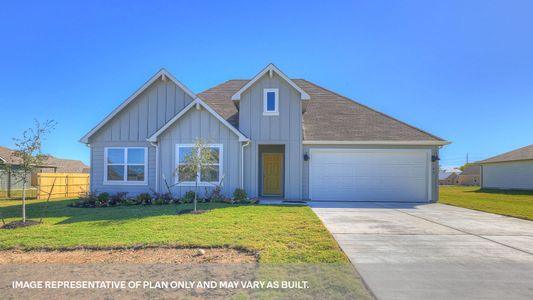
(369, 175)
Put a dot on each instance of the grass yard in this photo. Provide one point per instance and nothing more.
(517, 204)
(281, 234)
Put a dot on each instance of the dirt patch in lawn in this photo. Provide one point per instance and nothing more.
(18, 224)
(152, 255)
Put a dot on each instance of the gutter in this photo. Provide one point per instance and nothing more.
(399, 143)
(246, 143)
(156, 145)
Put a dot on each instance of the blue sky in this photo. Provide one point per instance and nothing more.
(462, 70)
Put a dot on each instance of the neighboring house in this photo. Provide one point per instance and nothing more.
(470, 176)
(448, 177)
(510, 170)
(66, 165)
(275, 136)
(9, 167)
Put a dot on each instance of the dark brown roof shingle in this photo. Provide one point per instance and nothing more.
(328, 117)
(524, 153)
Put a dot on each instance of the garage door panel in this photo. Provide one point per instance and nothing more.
(369, 175)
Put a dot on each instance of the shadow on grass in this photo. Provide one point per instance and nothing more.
(117, 214)
(503, 192)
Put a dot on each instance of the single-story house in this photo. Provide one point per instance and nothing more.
(470, 176)
(510, 170)
(9, 166)
(274, 136)
(448, 177)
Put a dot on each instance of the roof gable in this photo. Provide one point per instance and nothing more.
(162, 74)
(269, 69)
(197, 102)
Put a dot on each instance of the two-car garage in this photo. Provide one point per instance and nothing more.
(401, 175)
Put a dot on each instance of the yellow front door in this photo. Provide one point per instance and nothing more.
(272, 174)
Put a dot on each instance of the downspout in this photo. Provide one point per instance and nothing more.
(242, 162)
(156, 145)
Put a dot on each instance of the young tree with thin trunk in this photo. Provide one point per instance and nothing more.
(28, 152)
(196, 163)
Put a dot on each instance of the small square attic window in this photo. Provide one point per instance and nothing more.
(270, 102)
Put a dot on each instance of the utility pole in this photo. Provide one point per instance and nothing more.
(467, 157)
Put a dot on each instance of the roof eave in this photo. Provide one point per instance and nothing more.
(377, 142)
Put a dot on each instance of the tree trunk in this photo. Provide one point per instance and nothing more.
(24, 201)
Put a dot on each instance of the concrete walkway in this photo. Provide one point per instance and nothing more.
(433, 251)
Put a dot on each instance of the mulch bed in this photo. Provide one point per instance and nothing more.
(18, 224)
(151, 255)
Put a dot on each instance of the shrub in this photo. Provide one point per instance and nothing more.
(103, 198)
(249, 201)
(240, 195)
(118, 198)
(144, 198)
(189, 197)
(89, 200)
(131, 201)
(216, 194)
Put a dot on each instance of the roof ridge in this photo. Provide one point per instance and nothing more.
(376, 111)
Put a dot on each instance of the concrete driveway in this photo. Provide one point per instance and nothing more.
(433, 251)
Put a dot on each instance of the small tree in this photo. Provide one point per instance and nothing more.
(28, 150)
(197, 163)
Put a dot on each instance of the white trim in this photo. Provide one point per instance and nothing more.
(196, 101)
(161, 74)
(244, 144)
(126, 164)
(200, 183)
(428, 161)
(377, 142)
(270, 68)
(156, 166)
(267, 112)
(3, 160)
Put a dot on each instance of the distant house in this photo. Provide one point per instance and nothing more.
(50, 163)
(449, 177)
(470, 176)
(9, 165)
(510, 170)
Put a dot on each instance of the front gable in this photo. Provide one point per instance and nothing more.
(256, 122)
(144, 112)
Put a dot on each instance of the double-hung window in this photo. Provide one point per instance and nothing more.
(207, 174)
(125, 165)
(270, 102)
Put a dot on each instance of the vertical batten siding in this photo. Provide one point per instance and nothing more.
(97, 169)
(194, 124)
(285, 129)
(132, 126)
(145, 115)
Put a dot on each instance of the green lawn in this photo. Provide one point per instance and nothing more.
(279, 233)
(509, 203)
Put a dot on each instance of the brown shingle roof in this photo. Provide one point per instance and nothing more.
(6, 155)
(66, 165)
(328, 117)
(472, 170)
(62, 165)
(524, 153)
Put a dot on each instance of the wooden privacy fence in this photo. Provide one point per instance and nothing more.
(61, 185)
